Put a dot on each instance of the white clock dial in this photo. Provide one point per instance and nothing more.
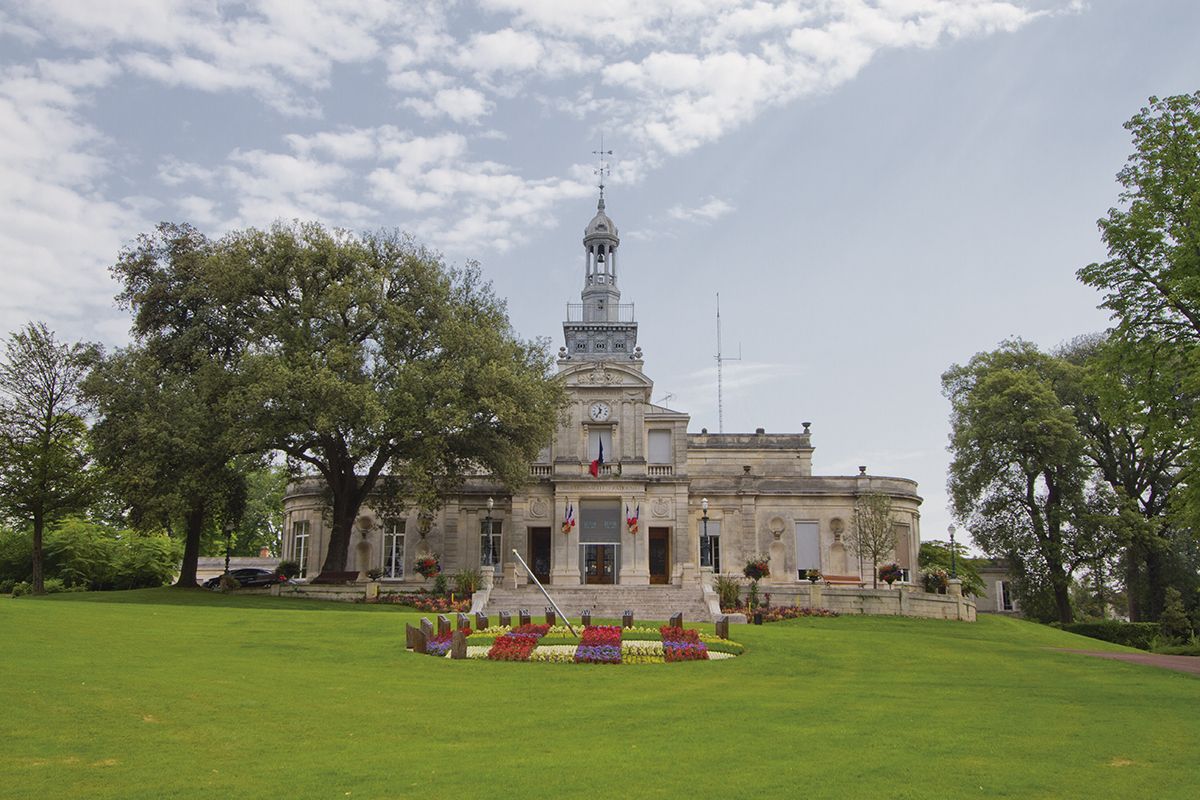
(599, 411)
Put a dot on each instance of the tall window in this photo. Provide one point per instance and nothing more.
(710, 544)
(300, 545)
(393, 548)
(1004, 596)
(489, 542)
(658, 447)
(595, 437)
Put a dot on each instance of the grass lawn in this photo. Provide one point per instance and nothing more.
(161, 693)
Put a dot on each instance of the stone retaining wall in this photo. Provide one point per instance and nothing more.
(896, 602)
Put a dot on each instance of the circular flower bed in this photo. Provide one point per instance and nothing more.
(597, 644)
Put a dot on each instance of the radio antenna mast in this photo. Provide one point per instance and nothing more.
(721, 359)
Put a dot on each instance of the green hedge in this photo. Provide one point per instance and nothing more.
(1130, 634)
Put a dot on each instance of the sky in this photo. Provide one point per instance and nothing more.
(875, 190)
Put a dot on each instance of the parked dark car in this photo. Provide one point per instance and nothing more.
(247, 576)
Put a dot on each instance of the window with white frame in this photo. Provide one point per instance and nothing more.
(1004, 600)
(393, 548)
(489, 542)
(300, 530)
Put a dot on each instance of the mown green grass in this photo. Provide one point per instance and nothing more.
(166, 694)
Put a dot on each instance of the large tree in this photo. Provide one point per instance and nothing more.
(43, 461)
(164, 443)
(1019, 476)
(1134, 411)
(1151, 280)
(375, 367)
(167, 428)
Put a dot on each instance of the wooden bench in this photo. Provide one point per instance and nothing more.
(336, 577)
(844, 580)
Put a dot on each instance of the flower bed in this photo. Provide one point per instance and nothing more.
(597, 645)
(777, 613)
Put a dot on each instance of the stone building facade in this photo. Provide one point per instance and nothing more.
(625, 495)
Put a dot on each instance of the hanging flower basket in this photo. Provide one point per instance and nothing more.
(757, 568)
(890, 573)
(428, 566)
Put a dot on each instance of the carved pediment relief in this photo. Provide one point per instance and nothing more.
(605, 374)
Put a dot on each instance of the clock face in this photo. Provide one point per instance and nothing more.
(599, 411)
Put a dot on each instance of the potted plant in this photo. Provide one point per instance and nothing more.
(813, 575)
(375, 573)
(936, 581)
(757, 568)
(890, 573)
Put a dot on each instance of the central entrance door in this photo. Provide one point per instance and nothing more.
(599, 563)
(539, 553)
(659, 543)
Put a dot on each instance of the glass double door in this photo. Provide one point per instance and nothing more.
(600, 563)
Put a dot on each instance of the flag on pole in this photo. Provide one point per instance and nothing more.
(599, 462)
(569, 519)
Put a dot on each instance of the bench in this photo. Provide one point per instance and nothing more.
(844, 580)
(336, 577)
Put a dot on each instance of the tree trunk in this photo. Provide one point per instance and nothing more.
(347, 500)
(39, 578)
(1133, 582)
(1060, 583)
(193, 530)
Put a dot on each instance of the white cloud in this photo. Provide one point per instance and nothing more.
(60, 227)
(711, 209)
(460, 104)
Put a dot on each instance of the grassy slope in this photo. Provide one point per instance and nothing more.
(153, 694)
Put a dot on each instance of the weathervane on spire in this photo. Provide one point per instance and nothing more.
(603, 171)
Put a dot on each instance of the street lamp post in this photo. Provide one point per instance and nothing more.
(705, 544)
(953, 555)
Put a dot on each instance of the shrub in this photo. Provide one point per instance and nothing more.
(229, 583)
(1130, 634)
(729, 590)
(440, 584)
(1173, 622)
(467, 581)
(288, 569)
(22, 588)
(6, 585)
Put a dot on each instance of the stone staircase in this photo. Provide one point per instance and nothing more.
(605, 602)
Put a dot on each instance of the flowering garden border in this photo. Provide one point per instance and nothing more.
(599, 644)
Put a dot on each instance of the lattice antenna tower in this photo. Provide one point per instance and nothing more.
(603, 170)
(721, 359)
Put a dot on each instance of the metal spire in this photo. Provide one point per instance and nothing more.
(603, 171)
(721, 359)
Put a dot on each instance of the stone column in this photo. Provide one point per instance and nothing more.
(635, 548)
(564, 549)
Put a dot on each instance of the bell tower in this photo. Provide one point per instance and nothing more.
(601, 328)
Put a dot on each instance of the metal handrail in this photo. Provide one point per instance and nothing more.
(547, 594)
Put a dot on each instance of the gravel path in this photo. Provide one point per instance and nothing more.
(1189, 664)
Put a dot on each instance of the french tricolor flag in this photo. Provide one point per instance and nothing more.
(599, 462)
